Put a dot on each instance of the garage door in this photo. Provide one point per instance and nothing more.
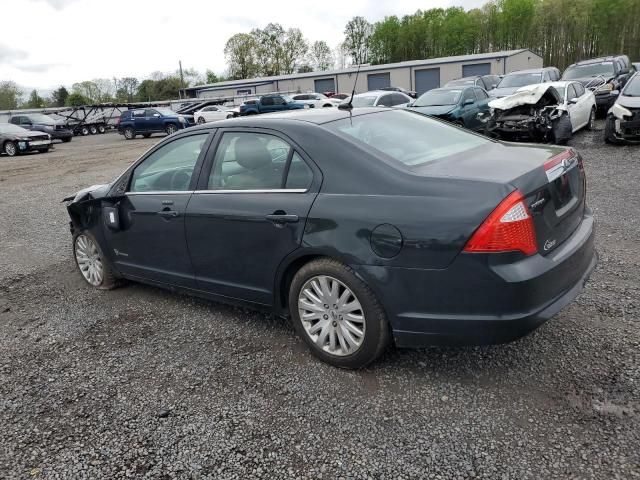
(325, 85)
(427, 79)
(376, 81)
(476, 69)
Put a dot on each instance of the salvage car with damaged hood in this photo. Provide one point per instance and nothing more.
(623, 119)
(533, 114)
(363, 227)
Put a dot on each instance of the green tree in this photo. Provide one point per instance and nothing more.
(35, 100)
(293, 50)
(211, 77)
(357, 33)
(9, 95)
(305, 69)
(126, 89)
(77, 100)
(241, 53)
(59, 97)
(320, 56)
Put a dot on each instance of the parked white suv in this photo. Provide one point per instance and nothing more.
(315, 100)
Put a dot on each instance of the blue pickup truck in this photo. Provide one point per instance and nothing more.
(270, 103)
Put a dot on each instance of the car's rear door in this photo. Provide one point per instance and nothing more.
(249, 212)
(139, 120)
(150, 242)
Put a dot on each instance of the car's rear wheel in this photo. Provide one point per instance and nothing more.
(92, 264)
(591, 123)
(201, 120)
(10, 148)
(337, 314)
(171, 129)
(129, 133)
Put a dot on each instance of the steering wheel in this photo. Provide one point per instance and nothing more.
(179, 180)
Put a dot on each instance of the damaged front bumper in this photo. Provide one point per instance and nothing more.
(623, 130)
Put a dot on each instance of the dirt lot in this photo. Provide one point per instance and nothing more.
(139, 382)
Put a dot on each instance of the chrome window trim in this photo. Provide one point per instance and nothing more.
(265, 190)
(160, 192)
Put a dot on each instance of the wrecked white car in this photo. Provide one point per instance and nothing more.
(535, 113)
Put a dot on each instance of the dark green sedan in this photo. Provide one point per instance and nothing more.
(459, 105)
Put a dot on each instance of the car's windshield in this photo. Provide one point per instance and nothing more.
(590, 70)
(519, 80)
(10, 128)
(632, 89)
(287, 98)
(433, 98)
(462, 81)
(166, 111)
(407, 137)
(364, 100)
(41, 119)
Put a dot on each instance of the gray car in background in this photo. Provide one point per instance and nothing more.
(513, 81)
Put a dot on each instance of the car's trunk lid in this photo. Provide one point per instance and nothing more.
(550, 177)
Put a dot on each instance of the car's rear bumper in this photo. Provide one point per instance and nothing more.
(479, 300)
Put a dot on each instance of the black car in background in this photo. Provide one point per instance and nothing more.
(15, 140)
(623, 118)
(40, 122)
(606, 76)
(364, 226)
(487, 82)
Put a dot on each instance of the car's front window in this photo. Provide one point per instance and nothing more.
(287, 98)
(519, 80)
(10, 128)
(434, 98)
(364, 101)
(41, 119)
(632, 89)
(166, 112)
(408, 137)
(591, 70)
(170, 167)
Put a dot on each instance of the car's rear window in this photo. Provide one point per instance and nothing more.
(410, 138)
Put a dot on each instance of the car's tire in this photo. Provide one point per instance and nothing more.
(146, 135)
(340, 341)
(231, 115)
(170, 129)
(201, 121)
(102, 129)
(562, 130)
(609, 132)
(591, 123)
(10, 148)
(129, 133)
(84, 131)
(91, 262)
(327, 105)
(93, 130)
(67, 140)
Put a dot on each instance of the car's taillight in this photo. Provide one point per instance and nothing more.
(508, 228)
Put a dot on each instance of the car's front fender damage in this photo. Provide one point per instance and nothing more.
(83, 207)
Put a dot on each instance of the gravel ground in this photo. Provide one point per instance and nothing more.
(139, 382)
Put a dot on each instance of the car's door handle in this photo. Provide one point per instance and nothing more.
(168, 213)
(280, 218)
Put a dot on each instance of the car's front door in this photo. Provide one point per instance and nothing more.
(249, 213)
(469, 108)
(150, 242)
(154, 120)
(139, 121)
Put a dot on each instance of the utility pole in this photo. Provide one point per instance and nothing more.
(181, 80)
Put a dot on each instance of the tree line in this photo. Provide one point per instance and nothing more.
(159, 86)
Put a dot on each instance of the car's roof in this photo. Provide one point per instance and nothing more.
(314, 116)
(594, 60)
(530, 70)
(453, 87)
(561, 83)
(471, 77)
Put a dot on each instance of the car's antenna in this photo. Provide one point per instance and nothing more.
(349, 106)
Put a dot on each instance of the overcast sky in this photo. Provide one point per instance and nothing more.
(59, 42)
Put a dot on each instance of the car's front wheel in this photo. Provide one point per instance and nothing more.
(10, 148)
(171, 129)
(92, 264)
(201, 120)
(337, 314)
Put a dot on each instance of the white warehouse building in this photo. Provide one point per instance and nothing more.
(414, 75)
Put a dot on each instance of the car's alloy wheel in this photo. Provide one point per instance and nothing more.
(10, 149)
(201, 120)
(331, 315)
(129, 134)
(171, 128)
(89, 260)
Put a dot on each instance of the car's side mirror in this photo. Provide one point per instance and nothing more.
(156, 114)
(574, 100)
